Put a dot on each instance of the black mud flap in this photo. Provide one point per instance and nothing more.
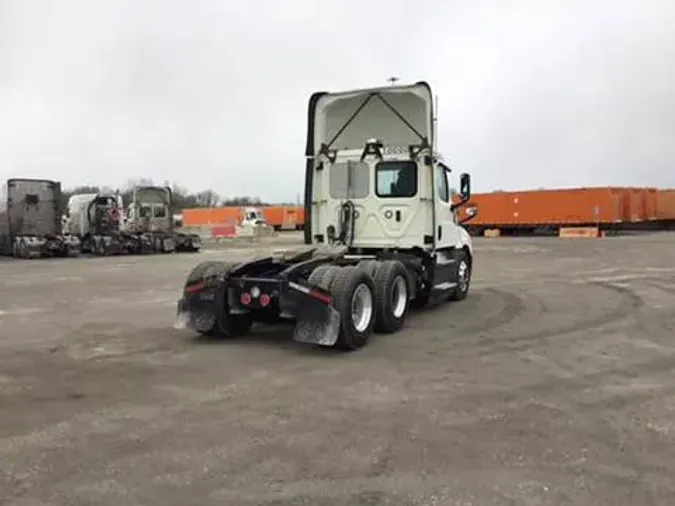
(316, 322)
(195, 315)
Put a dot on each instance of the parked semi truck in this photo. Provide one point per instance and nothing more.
(146, 225)
(381, 231)
(150, 214)
(96, 219)
(29, 220)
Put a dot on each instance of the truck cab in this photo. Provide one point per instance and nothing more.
(396, 183)
(149, 210)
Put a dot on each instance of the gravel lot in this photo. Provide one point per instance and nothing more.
(551, 384)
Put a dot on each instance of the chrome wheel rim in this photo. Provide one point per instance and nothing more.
(399, 296)
(362, 307)
(463, 276)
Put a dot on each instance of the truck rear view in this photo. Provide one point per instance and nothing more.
(380, 231)
(31, 222)
(150, 214)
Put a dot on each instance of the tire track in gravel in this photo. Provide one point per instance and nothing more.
(629, 303)
(512, 307)
(659, 284)
(556, 386)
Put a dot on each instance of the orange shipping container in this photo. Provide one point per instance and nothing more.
(650, 198)
(665, 204)
(278, 216)
(284, 217)
(634, 205)
(560, 207)
(211, 216)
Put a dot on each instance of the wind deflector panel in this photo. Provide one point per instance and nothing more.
(397, 115)
(33, 207)
(309, 166)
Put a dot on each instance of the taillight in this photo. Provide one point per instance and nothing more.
(264, 300)
(245, 298)
(195, 288)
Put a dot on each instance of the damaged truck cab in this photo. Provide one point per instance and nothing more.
(381, 230)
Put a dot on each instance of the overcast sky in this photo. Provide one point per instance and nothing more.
(213, 94)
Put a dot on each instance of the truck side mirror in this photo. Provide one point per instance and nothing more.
(464, 191)
(465, 186)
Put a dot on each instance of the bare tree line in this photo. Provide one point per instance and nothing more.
(182, 198)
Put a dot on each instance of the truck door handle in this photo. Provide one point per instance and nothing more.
(440, 231)
(398, 215)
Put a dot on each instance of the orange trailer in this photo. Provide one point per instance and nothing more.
(665, 204)
(285, 217)
(608, 207)
(280, 217)
(552, 207)
(200, 217)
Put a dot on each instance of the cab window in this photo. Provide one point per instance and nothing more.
(442, 184)
(145, 211)
(160, 211)
(396, 179)
(349, 180)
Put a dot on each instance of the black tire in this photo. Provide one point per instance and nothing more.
(392, 296)
(369, 266)
(323, 276)
(462, 276)
(200, 270)
(230, 325)
(344, 287)
(225, 324)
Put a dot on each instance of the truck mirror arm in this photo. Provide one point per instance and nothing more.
(459, 204)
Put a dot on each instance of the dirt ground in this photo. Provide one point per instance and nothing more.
(553, 383)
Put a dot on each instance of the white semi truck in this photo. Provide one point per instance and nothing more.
(381, 230)
(105, 227)
(95, 219)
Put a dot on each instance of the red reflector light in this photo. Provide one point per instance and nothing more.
(245, 298)
(197, 287)
(326, 299)
(264, 299)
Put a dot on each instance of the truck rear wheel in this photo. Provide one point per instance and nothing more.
(225, 324)
(324, 275)
(369, 266)
(353, 293)
(392, 301)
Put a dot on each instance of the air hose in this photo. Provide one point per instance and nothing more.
(347, 223)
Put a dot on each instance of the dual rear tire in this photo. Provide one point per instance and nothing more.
(224, 325)
(370, 297)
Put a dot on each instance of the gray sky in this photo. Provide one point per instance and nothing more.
(539, 93)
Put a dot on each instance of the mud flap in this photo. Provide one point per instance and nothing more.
(316, 323)
(199, 317)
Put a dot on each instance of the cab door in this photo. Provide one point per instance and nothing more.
(445, 220)
(445, 277)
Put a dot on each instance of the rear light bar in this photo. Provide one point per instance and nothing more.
(247, 297)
